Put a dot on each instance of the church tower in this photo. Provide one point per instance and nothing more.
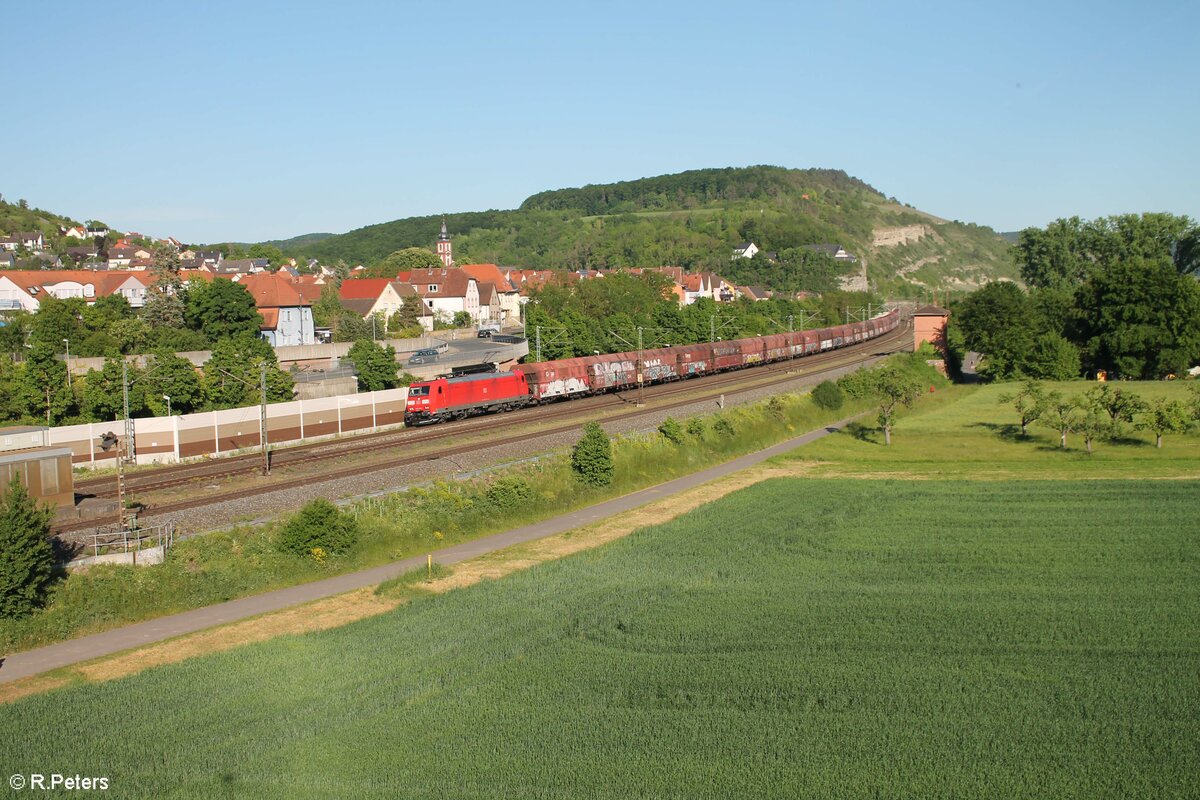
(443, 246)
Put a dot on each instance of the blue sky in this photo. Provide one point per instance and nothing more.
(251, 121)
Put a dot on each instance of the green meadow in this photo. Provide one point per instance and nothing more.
(967, 432)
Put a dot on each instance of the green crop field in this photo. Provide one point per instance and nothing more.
(801, 638)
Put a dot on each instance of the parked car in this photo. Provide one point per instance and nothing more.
(426, 356)
(486, 331)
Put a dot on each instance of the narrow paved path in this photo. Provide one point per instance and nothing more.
(43, 659)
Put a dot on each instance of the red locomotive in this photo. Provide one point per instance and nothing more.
(458, 397)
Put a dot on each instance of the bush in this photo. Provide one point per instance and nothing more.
(696, 427)
(317, 530)
(26, 555)
(671, 430)
(828, 396)
(510, 493)
(592, 459)
(723, 427)
(857, 385)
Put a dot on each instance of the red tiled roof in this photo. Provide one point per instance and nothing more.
(272, 291)
(270, 319)
(363, 288)
(488, 273)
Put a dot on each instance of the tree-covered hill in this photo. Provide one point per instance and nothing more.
(18, 217)
(694, 219)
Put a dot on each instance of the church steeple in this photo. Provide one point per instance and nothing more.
(444, 250)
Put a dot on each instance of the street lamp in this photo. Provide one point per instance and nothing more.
(167, 397)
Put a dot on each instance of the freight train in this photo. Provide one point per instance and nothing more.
(449, 398)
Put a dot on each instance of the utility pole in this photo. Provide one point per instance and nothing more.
(640, 366)
(537, 338)
(129, 445)
(263, 421)
(791, 349)
(67, 342)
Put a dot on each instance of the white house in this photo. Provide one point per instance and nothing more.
(446, 292)
(744, 250)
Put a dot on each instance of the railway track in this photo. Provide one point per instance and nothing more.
(694, 391)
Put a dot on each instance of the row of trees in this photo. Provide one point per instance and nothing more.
(604, 315)
(185, 319)
(37, 390)
(1117, 294)
(1102, 412)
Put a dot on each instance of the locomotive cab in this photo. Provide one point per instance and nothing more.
(425, 403)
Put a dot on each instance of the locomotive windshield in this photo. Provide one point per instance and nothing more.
(418, 391)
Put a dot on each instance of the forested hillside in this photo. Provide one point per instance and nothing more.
(19, 217)
(694, 219)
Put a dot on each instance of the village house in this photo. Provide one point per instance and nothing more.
(32, 240)
(287, 317)
(835, 251)
(744, 250)
(24, 289)
(369, 296)
(503, 301)
(446, 291)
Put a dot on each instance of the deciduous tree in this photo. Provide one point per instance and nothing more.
(375, 364)
(893, 388)
(233, 372)
(998, 322)
(26, 555)
(409, 258)
(222, 310)
(1060, 416)
(1164, 416)
(1030, 403)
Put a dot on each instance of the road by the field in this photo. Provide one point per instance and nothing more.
(43, 659)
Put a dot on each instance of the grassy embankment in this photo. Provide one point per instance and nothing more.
(222, 566)
(804, 637)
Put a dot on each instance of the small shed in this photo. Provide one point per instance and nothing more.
(44, 471)
(929, 325)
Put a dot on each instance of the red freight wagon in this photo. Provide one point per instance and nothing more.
(456, 398)
(776, 346)
(660, 364)
(693, 359)
(751, 351)
(613, 371)
(726, 355)
(810, 342)
(553, 379)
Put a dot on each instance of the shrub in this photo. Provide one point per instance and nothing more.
(319, 529)
(696, 427)
(723, 427)
(828, 396)
(671, 430)
(857, 385)
(510, 493)
(592, 459)
(26, 555)
(776, 408)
